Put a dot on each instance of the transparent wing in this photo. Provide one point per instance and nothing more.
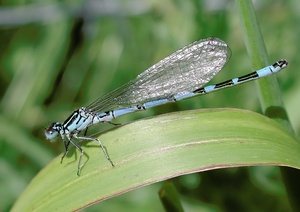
(183, 71)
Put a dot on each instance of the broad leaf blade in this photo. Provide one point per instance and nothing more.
(163, 147)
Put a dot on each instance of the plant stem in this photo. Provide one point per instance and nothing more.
(270, 98)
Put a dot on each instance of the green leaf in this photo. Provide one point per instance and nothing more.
(156, 149)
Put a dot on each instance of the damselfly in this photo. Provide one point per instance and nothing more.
(181, 75)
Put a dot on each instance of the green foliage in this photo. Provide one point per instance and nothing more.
(52, 64)
(164, 147)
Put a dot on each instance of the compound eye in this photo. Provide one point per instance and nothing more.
(52, 131)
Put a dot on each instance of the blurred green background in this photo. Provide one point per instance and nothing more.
(59, 55)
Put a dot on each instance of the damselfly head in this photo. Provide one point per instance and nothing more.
(53, 131)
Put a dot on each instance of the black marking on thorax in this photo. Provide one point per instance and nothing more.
(71, 118)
